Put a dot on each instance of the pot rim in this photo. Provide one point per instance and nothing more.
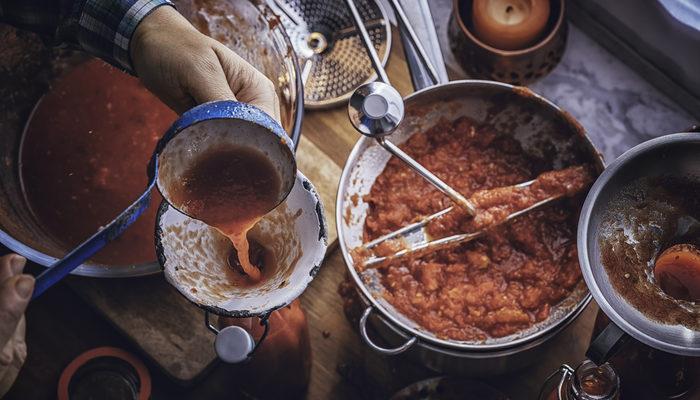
(424, 339)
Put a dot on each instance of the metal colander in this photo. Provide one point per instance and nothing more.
(331, 55)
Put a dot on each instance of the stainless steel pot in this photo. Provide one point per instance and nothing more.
(545, 132)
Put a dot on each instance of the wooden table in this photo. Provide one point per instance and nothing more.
(61, 325)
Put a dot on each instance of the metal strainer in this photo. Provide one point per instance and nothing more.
(331, 55)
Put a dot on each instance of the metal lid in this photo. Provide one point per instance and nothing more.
(105, 373)
(233, 344)
(670, 155)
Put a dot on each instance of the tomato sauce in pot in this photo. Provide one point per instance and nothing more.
(84, 159)
(508, 279)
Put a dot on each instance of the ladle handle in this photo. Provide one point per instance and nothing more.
(88, 248)
(438, 183)
(367, 42)
(606, 344)
(423, 72)
(416, 55)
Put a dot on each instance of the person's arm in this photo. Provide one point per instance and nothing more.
(103, 28)
(182, 66)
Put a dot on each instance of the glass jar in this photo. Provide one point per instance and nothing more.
(587, 382)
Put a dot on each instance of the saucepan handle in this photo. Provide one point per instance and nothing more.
(374, 346)
(606, 344)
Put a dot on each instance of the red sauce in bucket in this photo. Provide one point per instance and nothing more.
(84, 158)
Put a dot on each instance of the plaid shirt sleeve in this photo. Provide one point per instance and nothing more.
(101, 27)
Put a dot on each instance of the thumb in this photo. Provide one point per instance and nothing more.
(249, 85)
(209, 83)
(15, 293)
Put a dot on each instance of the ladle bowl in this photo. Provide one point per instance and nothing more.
(218, 123)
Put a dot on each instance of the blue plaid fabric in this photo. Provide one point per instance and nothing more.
(101, 27)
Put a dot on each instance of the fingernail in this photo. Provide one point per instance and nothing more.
(24, 286)
(17, 263)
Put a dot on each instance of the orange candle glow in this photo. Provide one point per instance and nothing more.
(510, 24)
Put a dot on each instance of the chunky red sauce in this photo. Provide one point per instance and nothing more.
(230, 188)
(84, 158)
(501, 283)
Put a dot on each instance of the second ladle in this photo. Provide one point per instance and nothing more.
(377, 108)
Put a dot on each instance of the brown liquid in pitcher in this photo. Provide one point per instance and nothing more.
(230, 188)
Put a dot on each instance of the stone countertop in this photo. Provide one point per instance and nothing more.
(616, 106)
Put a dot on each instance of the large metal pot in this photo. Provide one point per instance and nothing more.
(544, 131)
(28, 68)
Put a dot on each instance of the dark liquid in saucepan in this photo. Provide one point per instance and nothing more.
(84, 159)
(230, 188)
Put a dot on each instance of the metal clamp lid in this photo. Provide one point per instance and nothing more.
(566, 372)
(234, 344)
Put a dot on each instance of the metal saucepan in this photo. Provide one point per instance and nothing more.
(671, 156)
(30, 75)
(542, 128)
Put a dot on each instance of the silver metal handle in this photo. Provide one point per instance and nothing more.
(409, 33)
(454, 195)
(377, 348)
(367, 41)
(565, 371)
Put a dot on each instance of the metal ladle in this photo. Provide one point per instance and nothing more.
(376, 109)
(207, 125)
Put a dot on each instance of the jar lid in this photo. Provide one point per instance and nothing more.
(105, 373)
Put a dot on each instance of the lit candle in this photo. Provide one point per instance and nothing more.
(510, 24)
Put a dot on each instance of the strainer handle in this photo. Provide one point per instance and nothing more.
(607, 344)
(374, 346)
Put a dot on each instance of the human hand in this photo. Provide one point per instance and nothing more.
(15, 291)
(184, 67)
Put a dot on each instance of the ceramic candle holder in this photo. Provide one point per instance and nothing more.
(517, 67)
